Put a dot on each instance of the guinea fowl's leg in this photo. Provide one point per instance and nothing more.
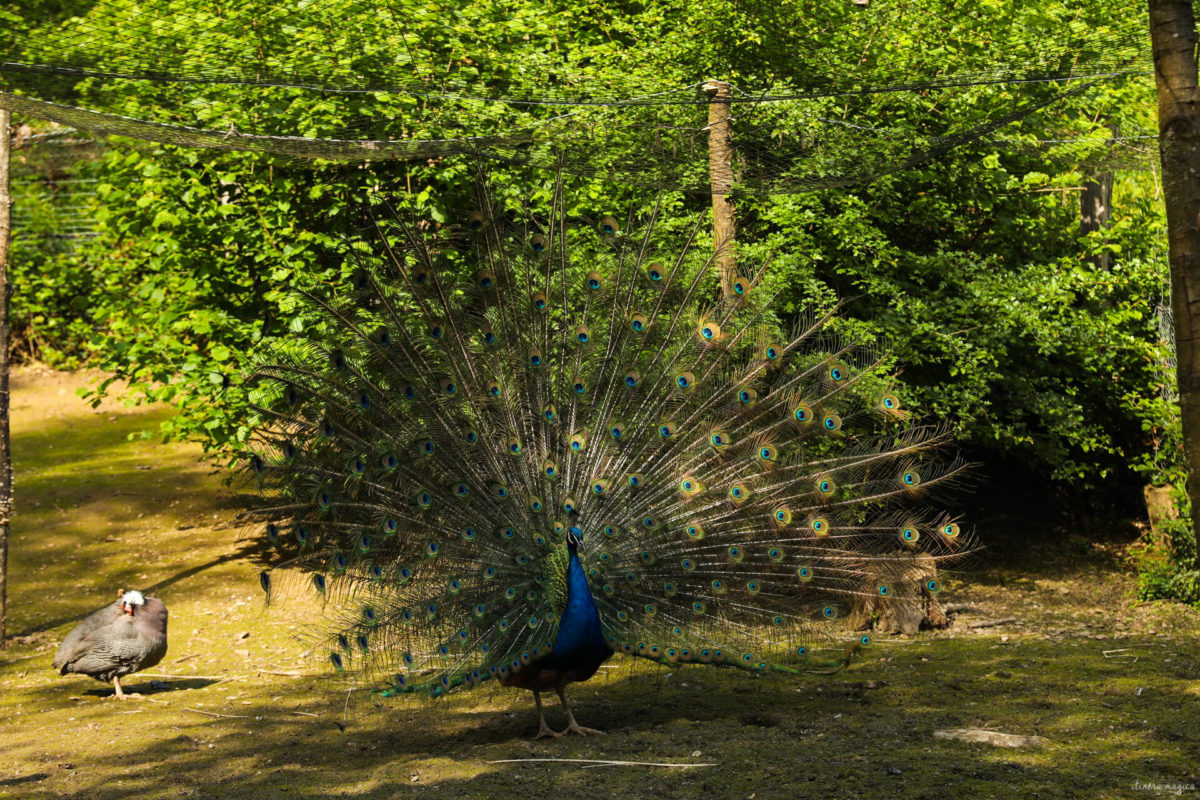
(120, 695)
(572, 725)
(543, 728)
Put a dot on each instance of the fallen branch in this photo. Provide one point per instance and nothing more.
(992, 623)
(593, 762)
(215, 714)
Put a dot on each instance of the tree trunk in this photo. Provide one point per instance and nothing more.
(1095, 207)
(1173, 35)
(720, 175)
(5, 456)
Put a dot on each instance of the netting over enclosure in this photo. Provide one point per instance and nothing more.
(871, 88)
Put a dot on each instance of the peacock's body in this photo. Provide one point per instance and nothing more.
(511, 447)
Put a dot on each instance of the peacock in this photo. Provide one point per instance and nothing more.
(509, 445)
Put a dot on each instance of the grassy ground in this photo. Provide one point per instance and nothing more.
(238, 713)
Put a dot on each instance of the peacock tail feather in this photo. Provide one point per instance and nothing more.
(472, 391)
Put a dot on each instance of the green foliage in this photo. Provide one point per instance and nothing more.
(971, 266)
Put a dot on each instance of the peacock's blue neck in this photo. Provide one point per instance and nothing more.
(580, 641)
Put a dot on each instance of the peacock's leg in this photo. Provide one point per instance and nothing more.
(572, 725)
(117, 685)
(543, 728)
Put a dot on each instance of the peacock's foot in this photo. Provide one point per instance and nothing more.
(545, 732)
(582, 731)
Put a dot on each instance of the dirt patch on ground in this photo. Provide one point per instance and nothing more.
(1055, 647)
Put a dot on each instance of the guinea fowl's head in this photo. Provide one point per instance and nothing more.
(131, 600)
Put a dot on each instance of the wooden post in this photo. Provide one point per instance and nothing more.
(1173, 38)
(720, 175)
(5, 455)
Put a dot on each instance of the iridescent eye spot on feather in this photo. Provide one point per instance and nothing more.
(909, 534)
(469, 534)
(337, 360)
(741, 286)
(583, 334)
(631, 378)
(767, 454)
(950, 530)
(301, 534)
(513, 446)
(363, 400)
(685, 380)
(426, 447)
(376, 572)
(747, 397)
(475, 221)
(388, 526)
(493, 388)
(864, 641)
(432, 549)
(617, 430)
(910, 478)
(782, 516)
(636, 479)
(805, 574)
(933, 586)
(889, 402)
(540, 301)
(736, 554)
(608, 226)
(499, 491)
(336, 660)
(550, 468)
(752, 587)
(690, 487)
(408, 391)
(578, 385)
(829, 612)
(718, 586)
(669, 589)
(638, 322)
(324, 499)
(364, 543)
(448, 387)
(578, 441)
(826, 486)
(338, 563)
(775, 554)
(819, 526)
(326, 428)
(363, 644)
(539, 539)
(389, 461)
(599, 487)
(507, 533)
(460, 489)
(667, 429)
(535, 358)
(420, 276)
(649, 522)
(611, 530)
(687, 564)
(803, 413)
(569, 504)
(535, 504)
(772, 352)
(360, 279)
(593, 280)
(694, 531)
(381, 337)
(739, 493)
(487, 334)
(699, 607)
(537, 243)
(549, 413)
(318, 581)
(885, 591)
(719, 439)
(832, 422)
(489, 573)
(470, 436)
(837, 372)
(485, 279)
(709, 331)
(403, 575)
(655, 272)
(435, 332)
(273, 533)
(368, 614)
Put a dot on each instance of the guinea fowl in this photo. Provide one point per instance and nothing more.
(119, 639)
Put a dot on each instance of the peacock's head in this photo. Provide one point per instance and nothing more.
(574, 536)
(130, 600)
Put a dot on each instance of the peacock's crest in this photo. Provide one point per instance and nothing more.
(468, 395)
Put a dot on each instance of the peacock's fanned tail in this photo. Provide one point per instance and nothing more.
(468, 394)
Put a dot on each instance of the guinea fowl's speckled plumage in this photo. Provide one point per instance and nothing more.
(471, 394)
(110, 643)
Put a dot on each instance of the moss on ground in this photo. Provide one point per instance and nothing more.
(239, 712)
